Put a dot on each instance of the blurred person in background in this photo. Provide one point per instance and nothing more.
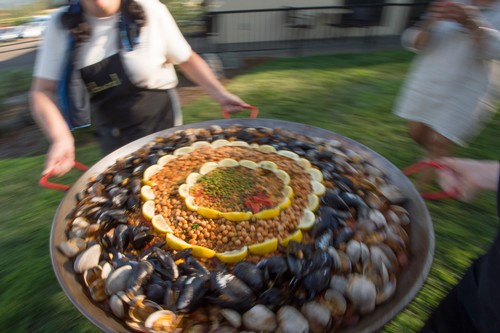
(454, 82)
(473, 304)
(123, 52)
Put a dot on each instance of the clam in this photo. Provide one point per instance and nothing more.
(92, 274)
(260, 319)
(379, 257)
(339, 283)
(318, 316)
(118, 303)
(362, 293)
(72, 247)
(387, 290)
(87, 259)
(353, 250)
(335, 302)
(161, 321)
(232, 317)
(118, 279)
(96, 290)
(290, 320)
(140, 309)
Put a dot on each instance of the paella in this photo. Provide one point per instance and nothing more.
(240, 228)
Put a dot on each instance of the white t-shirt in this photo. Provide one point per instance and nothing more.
(149, 65)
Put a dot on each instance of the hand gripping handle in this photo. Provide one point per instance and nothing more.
(253, 112)
(438, 195)
(44, 181)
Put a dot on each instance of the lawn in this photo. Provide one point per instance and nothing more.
(348, 94)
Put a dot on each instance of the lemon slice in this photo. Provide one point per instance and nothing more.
(183, 151)
(283, 176)
(175, 243)
(289, 154)
(160, 224)
(151, 171)
(302, 162)
(267, 214)
(207, 167)
(148, 209)
(288, 192)
(209, 213)
(228, 162)
(219, 143)
(268, 165)
(184, 190)
(296, 236)
(238, 143)
(313, 202)
(285, 203)
(316, 174)
(165, 159)
(147, 193)
(200, 144)
(230, 257)
(265, 247)
(266, 149)
(148, 182)
(190, 204)
(237, 216)
(249, 164)
(318, 188)
(307, 221)
(192, 178)
(202, 252)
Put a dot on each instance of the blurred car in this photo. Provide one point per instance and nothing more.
(10, 33)
(32, 29)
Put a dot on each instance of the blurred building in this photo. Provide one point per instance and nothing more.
(234, 25)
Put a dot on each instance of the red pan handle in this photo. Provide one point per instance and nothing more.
(253, 112)
(44, 181)
(438, 195)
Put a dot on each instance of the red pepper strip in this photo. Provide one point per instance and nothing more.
(254, 207)
(256, 202)
(261, 198)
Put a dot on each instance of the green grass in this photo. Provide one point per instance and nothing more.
(22, 78)
(348, 94)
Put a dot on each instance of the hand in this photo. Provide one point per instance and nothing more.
(468, 177)
(60, 158)
(230, 102)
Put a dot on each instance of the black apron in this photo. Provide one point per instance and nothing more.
(121, 111)
(480, 289)
(473, 305)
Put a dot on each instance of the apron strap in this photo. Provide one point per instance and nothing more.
(76, 114)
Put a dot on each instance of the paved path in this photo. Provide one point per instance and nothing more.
(18, 54)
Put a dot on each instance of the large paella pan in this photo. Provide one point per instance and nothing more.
(412, 266)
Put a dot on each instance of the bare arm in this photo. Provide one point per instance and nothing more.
(423, 34)
(197, 70)
(61, 154)
(469, 176)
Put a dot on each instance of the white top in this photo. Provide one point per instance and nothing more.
(149, 65)
(452, 84)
